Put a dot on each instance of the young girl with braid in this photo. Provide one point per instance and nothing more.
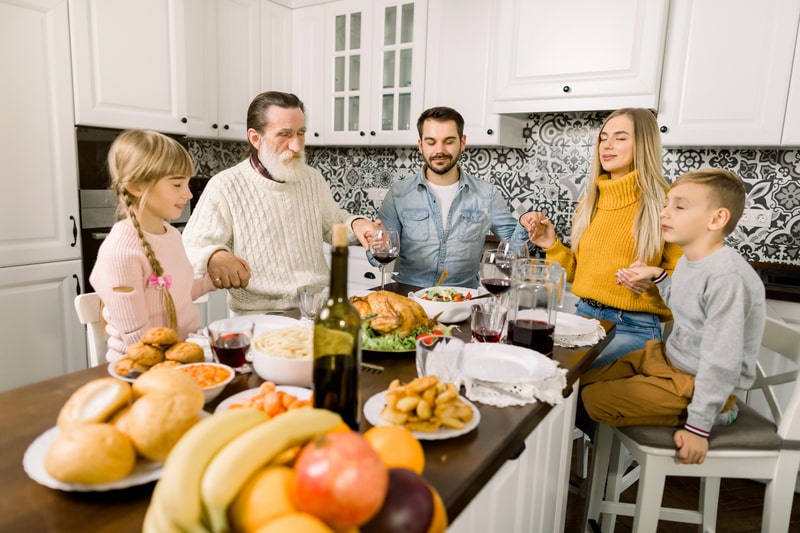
(142, 274)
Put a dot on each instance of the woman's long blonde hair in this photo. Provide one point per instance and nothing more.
(650, 181)
(142, 158)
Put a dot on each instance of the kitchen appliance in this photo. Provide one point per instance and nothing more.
(97, 201)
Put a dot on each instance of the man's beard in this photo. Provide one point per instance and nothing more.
(286, 167)
(446, 168)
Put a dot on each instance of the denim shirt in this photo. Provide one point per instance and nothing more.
(426, 247)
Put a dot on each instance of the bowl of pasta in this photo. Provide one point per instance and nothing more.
(284, 356)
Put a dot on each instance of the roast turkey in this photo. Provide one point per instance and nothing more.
(396, 314)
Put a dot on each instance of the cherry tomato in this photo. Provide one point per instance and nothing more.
(457, 297)
(427, 338)
(437, 332)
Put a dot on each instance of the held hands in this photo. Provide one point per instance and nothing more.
(691, 448)
(540, 230)
(228, 271)
(638, 277)
(363, 229)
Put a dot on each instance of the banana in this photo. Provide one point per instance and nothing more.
(177, 493)
(155, 520)
(254, 449)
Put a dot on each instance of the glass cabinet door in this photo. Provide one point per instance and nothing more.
(398, 57)
(347, 89)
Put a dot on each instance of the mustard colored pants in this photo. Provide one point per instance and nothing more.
(642, 388)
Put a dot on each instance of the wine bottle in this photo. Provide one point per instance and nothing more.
(337, 342)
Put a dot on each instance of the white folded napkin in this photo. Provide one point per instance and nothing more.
(549, 390)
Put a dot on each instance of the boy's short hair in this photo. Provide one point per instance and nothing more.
(726, 188)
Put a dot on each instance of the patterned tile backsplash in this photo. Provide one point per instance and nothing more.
(549, 174)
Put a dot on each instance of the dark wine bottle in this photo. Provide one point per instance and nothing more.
(337, 342)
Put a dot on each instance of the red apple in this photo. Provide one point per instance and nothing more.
(340, 479)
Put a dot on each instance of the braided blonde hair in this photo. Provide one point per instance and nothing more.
(650, 180)
(142, 158)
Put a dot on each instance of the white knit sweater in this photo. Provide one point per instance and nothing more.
(278, 228)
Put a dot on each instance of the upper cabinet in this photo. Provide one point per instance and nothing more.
(577, 55)
(223, 67)
(128, 62)
(791, 123)
(450, 78)
(726, 73)
(374, 55)
(308, 50)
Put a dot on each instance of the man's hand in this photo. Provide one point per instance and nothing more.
(691, 448)
(363, 229)
(228, 271)
(540, 230)
(638, 277)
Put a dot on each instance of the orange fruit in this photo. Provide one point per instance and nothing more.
(262, 499)
(296, 523)
(397, 447)
(439, 520)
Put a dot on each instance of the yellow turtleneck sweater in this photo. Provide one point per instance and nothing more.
(608, 245)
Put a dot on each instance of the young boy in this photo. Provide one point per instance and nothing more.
(718, 306)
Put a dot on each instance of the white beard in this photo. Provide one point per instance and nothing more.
(287, 167)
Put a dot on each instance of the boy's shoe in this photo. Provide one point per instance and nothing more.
(728, 417)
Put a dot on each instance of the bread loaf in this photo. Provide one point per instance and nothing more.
(170, 381)
(88, 454)
(94, 402)
(157, 420)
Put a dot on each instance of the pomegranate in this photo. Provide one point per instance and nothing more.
(408, 508)
(340, 479)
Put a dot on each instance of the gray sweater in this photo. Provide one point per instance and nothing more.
(719, 310)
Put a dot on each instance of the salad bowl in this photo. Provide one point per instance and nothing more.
(448, 305)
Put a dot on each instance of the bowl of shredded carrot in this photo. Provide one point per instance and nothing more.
(212, 377)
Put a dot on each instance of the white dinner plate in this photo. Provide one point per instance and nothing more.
(265, 323)
(33, 463)
(119, 376)
(374, 406)
(301, 393)
(505, 363)
(569, 325)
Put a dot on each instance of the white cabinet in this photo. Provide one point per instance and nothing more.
(39, 250)
(276, 38)
(726, 72)
(791, 123)
(308, 74)
(450, 78)
(223, 66)
(528, 493)
(374, 71)
(577, 55)
(128, 62)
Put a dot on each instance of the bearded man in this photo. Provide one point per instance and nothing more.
(443, 214)
(259, 226)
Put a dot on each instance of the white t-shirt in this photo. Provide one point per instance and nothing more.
(444, 195)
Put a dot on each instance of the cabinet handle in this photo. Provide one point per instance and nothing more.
(372, 133)
(566, 88)
(226, 127)
(214, 126)
(517, 453)
(74, 231)
(184, 120)
(490, 131)
(663, 129)
(77, 285)
(316, 134)
(361, 133)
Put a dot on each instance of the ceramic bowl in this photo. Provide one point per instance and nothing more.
(281, 370)
(211, 391)
(449, 312)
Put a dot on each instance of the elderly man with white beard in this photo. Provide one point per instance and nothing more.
(259, 226)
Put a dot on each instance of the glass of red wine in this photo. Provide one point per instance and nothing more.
(384, 247)
(230, 340)
(495, 272)
(487, 321)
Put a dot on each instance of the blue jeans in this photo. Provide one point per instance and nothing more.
(632, 331)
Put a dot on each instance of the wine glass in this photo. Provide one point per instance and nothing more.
(384, 247)
(495, 272)
(230, 340)
(516, 247)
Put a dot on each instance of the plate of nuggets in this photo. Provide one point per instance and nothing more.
(158, 348)
(429, 408)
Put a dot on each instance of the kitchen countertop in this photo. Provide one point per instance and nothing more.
(781, 281)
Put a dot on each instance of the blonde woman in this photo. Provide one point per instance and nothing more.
(142, 274)
(615, 224)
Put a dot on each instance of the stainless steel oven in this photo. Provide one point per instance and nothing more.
(97, 201)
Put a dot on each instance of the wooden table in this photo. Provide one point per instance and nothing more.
(458, 467)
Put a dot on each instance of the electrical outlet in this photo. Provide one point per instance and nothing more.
(756, 218)
(375, 194)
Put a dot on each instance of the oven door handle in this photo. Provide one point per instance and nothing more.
(99, 235)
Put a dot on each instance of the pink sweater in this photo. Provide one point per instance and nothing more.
(121, 262)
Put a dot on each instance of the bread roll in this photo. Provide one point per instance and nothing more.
(89, 454)
(145, 354)
(170, 381)
(186, 352)
(163, 337)
(96, 401)
(157, 420)
(166, 364)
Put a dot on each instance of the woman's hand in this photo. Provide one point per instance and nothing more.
(638, 277)
(228, 271)
(540, 230)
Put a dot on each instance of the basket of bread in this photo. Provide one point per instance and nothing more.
(158, 348)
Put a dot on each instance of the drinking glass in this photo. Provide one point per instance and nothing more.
(495, 272)
(441, 356)
(518, 249)
(230, 340)
(310, 299)
(384, 247)
(487, 321)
